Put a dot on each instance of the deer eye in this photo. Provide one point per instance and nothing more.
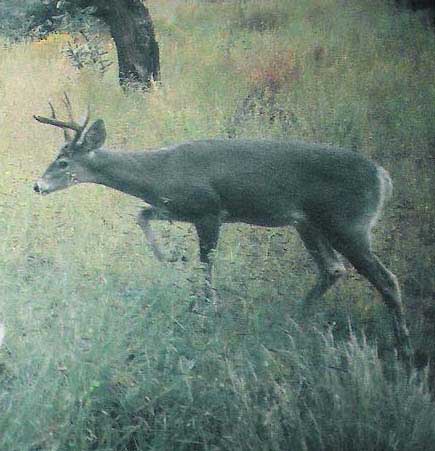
(63, 164)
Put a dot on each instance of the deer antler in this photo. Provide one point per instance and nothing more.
(71, 125)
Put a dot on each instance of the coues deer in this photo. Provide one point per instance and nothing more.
(332, 197)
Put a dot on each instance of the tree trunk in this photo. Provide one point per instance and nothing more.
(132, 30)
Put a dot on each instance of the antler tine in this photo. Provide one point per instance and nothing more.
(87, 117)
(71, 125)
(57, 123)
(66, 134)
(53, 113)
(68, 105)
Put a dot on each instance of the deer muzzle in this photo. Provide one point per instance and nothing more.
(41, 187)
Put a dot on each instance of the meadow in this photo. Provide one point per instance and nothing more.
(101, 351)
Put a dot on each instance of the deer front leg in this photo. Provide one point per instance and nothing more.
(208, 234)
(143, 220)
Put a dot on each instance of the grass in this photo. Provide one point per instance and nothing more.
(101, 351)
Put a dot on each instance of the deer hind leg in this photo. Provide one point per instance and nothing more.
(329, 264)
(355, 245)
(143, 220)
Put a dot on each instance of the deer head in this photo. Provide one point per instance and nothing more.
(69, 167)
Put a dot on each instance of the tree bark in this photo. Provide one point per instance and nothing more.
(130, 26)
(132, 30)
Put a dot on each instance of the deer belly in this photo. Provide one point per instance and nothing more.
(265, 217)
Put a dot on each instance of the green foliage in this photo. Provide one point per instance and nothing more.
(89, 51)
(36, 19)
(260, 16)
(101, 351)
(14, 18)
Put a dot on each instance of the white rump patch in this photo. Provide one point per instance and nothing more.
(2, 333)
(385, 192)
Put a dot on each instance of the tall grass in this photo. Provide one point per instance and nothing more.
(101, 351)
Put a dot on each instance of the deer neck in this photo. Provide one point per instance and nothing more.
(131, 173)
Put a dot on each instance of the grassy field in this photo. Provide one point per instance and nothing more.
(101, 351)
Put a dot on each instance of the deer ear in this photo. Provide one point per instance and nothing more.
(96, 135)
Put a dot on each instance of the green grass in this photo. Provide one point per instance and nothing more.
(101, 351)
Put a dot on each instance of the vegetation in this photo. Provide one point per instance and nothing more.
(127, 21)
(101, 351)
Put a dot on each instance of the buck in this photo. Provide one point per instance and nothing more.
(332, 197)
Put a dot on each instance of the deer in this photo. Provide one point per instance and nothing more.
(332, 197)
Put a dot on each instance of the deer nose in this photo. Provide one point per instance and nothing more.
(36, 188)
